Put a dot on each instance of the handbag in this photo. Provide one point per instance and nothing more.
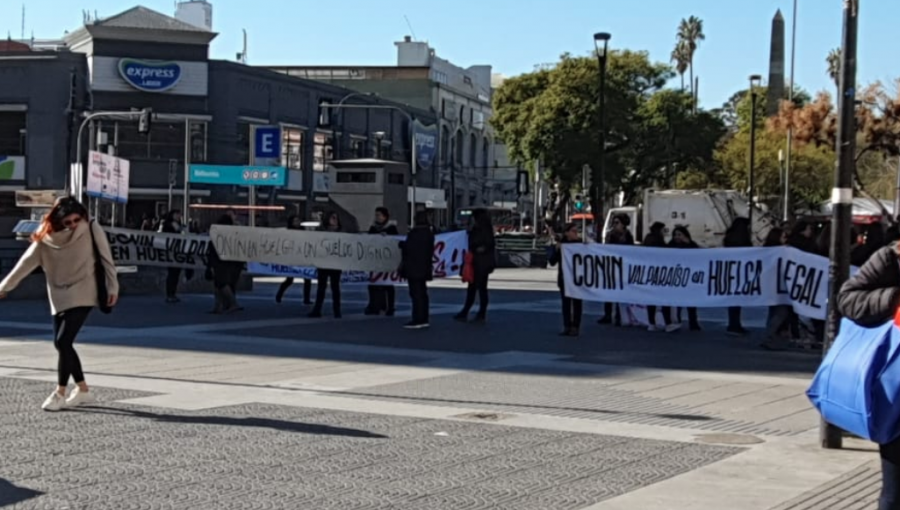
(468, 269)
(857, 387)
(100, 276)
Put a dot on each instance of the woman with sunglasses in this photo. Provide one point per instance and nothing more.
(64, 247)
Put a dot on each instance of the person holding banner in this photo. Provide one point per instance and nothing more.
(737, 236)
(681, 239)
(572, 309)
(70, 249)
(171, 224)
(418, 269)
(656, 238)
(618, 235)
(483, 249)
(224, 275)
(294, 223)
(332, 223)
(870, 299)
(382, 297)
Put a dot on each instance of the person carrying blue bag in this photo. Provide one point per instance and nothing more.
(857, 387)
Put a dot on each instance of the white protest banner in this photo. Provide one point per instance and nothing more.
(702, 278)
(141, 248)
(323, 250)
(449, 252)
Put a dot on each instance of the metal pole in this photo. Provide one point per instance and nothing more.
(186, 200)
(790, 135)
(842, 196)
(600, 178)
(78, 181)
(251, 190)
(752, 175)
(536, 197)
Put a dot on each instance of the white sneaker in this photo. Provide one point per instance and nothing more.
(671, 328)
(78, 398)
(652, 329)
(55, 402)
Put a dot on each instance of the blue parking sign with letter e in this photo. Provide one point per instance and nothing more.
(267, 142)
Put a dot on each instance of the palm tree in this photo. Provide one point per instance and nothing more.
(834, 66)
(681, 59)
(690, 32)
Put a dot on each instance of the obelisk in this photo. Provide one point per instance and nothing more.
(776, 66)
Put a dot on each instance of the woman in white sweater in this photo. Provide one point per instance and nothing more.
(64, 247)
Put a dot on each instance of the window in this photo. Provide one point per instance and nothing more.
(292, 148)
(323, 147)
(445, 145)
(356, 177)
(242, 145)
(324, 113)
(473, 151)
(462, 113)
(12, 133)
(444, 108)
(198, 142)
(165, 141)
(459, 141)
(471, 116)
(485, 156)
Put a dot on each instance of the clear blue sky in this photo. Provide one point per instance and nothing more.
(514, 35)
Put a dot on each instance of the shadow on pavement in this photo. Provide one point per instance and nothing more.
(10, 494)
(280, 425)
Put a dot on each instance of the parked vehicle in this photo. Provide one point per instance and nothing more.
(707, 214)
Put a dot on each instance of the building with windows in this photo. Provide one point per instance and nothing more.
(469, 169)
(203, 112)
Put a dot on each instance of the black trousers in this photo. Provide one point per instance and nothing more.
(890, 476)
(734, 317)
(608, 312)
(418, 294)
(326, 276)
(572, 310)
(307, 289)
(172, 277)
(382, 298)
(66, 326)
(666, 313)
(480, 287)
(692, 315)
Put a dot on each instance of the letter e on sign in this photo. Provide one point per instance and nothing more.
(267, 142)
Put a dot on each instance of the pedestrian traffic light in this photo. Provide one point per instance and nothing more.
(145, 120)
(579, 202)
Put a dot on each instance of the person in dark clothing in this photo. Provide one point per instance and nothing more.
(331, 223)
(874, 242)
(294, 223)
(681, 238)
(870, 298)
(483, 250)
(224, 275)
(171, 224)
(618, 235)
(572, 309)
(803, 237)
(382, 297)
(417, 268)
(656, 238)
(738, 235)
(779, 318)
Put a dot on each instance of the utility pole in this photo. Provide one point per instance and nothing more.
(830, 436)
(790, 136)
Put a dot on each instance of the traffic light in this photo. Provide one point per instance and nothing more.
(586, 177)
(145, 120)
(579, 202)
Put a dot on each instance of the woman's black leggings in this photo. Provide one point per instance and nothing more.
(890, 476)
(66, 326)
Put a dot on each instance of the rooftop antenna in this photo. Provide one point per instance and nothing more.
(408, 24)
(242, 55)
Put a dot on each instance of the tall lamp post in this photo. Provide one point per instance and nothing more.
(755, 81)
(842, 195)
(601, 43)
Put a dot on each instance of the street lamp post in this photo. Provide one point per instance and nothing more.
(340, 151)
(842, 196)
(601, 43)
(755, 81)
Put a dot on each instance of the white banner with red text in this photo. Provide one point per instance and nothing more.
(449, 250)
(702, 278)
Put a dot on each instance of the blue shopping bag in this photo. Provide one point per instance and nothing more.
(857, 387)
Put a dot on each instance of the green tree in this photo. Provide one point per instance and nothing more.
(681, 59)
(690, 33)
(735, 113)
(833, 60)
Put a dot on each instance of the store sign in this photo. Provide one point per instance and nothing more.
(12, 168)
(108, 177)
(238, 175)
(150, 76)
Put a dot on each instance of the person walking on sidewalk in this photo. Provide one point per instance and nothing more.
(572, 309)
(484, 260)
(332, 223)
(738, 235)
(294, 223)
(67, 247)
(171, 224)
(418, 269)
(382, 297)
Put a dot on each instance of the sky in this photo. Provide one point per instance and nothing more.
(515, 35)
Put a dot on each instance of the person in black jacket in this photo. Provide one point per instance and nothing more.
(224, 273)
(681, 238)
(171, 224)
(870, 298)
(779, 318)
(618, 235)
(738, 235)
(331, 223)
(483, 250)
(572, 309)
(417, 268)
(294, 223)
(656, 238)
(382, 297)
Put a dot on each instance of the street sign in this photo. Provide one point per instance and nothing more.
(267, 142)
(238, 175)
(108, 177)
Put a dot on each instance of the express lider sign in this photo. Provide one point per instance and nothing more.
(150, 76)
